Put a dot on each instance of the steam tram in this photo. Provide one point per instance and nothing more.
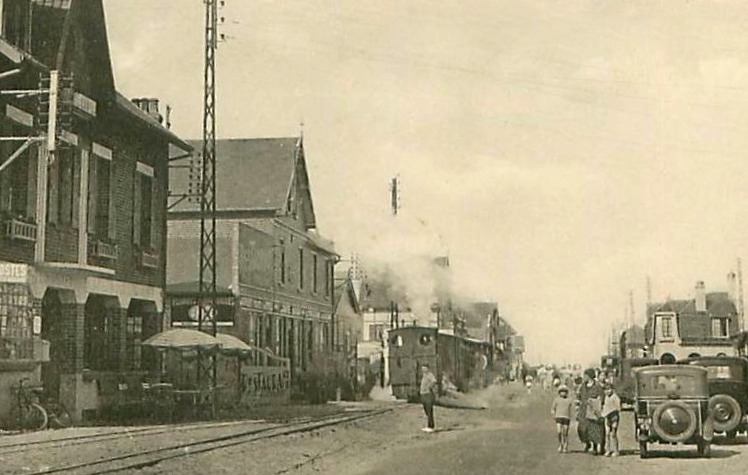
(454, 360)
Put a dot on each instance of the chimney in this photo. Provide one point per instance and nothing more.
(700, 292)
(150, 107)
(732, 287)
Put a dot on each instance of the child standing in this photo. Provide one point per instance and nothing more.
(561, 412)
(612, 414)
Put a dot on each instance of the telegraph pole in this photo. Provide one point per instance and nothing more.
(207, 305)
(741, 309)
(395, 195)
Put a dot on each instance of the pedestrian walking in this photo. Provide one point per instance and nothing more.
(612, 414)
(590, 427)
(528, 383)
(428, 396)
(561, 411)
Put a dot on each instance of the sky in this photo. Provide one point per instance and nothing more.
(560, 151)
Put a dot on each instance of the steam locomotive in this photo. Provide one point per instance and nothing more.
(457, 361)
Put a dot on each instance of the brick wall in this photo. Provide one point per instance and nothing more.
(61, 244)
(131, 144)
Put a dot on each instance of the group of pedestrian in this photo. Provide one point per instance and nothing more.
(598, 410)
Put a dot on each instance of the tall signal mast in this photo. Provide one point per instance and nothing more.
(207, 308)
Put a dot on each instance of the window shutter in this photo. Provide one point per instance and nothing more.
(76, 191)
(32, 157)
(154, 207)
(65, 188)
(93, 195)
(137, 204)
(53, 191)
(112, 229)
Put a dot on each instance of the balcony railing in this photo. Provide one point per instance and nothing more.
(20, 230)
(103, 250)
(149, 259)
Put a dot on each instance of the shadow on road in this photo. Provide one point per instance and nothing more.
(726, 441)
(689, 454)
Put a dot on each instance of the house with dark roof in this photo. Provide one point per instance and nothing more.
(275, 270)
(82, 217)
(701, 326)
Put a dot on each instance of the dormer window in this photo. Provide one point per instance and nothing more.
(666, 327)
(720, 328)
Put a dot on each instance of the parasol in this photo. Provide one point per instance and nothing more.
(183, 339)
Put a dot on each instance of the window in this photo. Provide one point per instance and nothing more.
(327, 277)
(314, 273)
(143, 208)
(16, 25)
(283, 266)
(719, 328)
(64, 188)
(301, 268)
(101, 218)
(133, 337)
(17, 189)
(100, 336)
(376, 332)
(16, 323)
(666, 327)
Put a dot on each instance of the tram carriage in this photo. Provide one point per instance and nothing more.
(451, 358)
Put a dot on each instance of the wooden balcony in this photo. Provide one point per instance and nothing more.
(20, 230)
(149, 259)
(103, 250)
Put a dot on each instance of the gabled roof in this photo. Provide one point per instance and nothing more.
(71, 36)
(717, 303)
(253, 174)
(345, 290)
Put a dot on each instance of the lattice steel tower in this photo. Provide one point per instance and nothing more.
(207, 308)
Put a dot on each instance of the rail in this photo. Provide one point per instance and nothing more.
(140, 459)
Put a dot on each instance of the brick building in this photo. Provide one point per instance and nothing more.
(274, 271)
(701, 326)
(83, 229)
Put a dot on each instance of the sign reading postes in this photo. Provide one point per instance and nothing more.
(14, 273)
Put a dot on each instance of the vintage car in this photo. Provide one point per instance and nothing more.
(728, 391)
(624, 382)
(672, 407)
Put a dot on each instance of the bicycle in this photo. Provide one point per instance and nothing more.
(34, 413)
(30, 415)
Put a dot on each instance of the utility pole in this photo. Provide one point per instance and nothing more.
(207, 305)
(395, 195)
(741, 309)
(649, 297)
(632, 309)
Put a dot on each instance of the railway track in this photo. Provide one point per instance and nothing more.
(146, 458)
(64, 442)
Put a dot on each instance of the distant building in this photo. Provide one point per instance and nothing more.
(275, 273)
(633, 342)
(701, 326)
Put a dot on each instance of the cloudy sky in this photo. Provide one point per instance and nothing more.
(561, 151)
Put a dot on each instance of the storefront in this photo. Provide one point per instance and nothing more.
(75, 332)
(22, 349)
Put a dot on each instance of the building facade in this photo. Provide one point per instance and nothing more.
(274, 271)
(83, 221)
(702, 326)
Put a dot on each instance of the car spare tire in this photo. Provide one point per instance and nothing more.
(674, 421)
(725, 411)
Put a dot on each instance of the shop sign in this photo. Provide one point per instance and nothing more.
(13, 273)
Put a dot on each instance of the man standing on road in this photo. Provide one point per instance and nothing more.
(428, 395)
